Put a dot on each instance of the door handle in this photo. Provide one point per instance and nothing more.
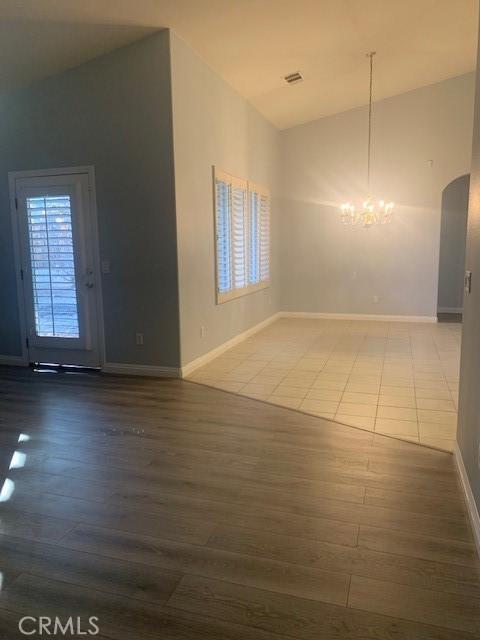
(89, 280)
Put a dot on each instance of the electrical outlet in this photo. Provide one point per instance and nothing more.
(203, 332)
(105, 266)
(139, 338)
(375, 299)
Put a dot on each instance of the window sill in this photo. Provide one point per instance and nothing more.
(239, 293)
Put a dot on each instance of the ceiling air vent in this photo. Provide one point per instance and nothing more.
(293, 78)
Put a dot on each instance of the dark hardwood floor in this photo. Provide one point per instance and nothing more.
(174, 511)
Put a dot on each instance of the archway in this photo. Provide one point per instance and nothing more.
(453, 235)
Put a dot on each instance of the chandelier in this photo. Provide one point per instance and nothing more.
(372, 211)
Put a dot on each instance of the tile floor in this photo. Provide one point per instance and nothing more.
(399, 379)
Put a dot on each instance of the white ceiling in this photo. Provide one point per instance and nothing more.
(252, 44)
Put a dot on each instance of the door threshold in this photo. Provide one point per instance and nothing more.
(54, 367)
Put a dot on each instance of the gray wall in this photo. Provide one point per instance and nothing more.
(453, 234)
(326, 267)
(213, 125)
(468, 433)
(113, 113)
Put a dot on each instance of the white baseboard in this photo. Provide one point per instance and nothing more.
(355, 316)
(202, 360)
(16, 361)
(141, 370)
(470, 500)
(450, 309)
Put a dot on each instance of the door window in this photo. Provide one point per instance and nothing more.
(52, 266)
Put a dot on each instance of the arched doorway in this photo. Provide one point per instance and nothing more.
(453, 235)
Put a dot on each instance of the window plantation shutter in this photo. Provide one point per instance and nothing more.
(259, 266)
(223, 215)
(239, 234)
(264, 237)
(254, 240)
(242, 235)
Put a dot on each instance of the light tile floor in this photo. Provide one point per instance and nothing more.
(399, 379)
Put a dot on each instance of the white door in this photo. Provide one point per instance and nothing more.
(57, 254)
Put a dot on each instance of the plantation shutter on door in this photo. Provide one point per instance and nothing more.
(52, 266)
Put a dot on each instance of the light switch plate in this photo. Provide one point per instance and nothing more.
(468, 282)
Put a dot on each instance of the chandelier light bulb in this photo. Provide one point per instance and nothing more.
(371, 213)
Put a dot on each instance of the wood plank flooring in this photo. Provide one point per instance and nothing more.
(174, 511)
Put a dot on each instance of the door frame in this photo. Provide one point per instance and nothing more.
(89, 171)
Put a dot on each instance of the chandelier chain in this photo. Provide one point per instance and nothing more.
(369, 149)
(372, 211)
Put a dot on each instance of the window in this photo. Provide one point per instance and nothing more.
(242, 226)
(49, 221)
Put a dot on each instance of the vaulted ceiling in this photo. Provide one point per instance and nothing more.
(253, 44)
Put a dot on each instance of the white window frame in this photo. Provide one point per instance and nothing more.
(250, 187)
